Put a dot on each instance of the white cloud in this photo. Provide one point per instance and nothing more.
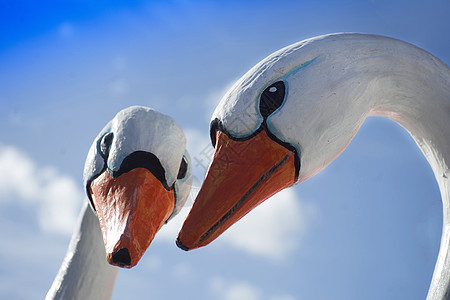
(152, 262)
(182, 271)
(234, 290)
(55, 196)
(240, 290)
(118, 86)
(274, 229)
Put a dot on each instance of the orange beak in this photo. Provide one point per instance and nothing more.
(131, 209)
(241, 176)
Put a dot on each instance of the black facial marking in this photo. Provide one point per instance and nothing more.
(272, 98)
(146, 160)
(215, 126)
(183, 169)
(137, 159)
(105, 144)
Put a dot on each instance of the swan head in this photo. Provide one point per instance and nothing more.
(137, 177)
(281, 123)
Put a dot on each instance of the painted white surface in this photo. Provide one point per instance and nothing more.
(139, 128)
(333, 83)
(85, 272)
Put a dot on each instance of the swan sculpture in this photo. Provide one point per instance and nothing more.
(137, 177)
(297, 110)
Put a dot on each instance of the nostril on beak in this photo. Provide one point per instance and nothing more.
(122, 258)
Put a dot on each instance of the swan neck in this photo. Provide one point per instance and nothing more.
(414, 91)
(84, 273)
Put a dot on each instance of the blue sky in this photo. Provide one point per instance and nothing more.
(368, 227)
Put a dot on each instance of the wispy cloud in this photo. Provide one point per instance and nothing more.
(240, 290)
(237, 290)
(182, 270)
(274, 229)
(118, 86)
(55, 196)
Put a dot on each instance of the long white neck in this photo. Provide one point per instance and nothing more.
(84, 273)
(414, 91)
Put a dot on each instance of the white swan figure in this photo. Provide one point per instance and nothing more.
(137, 176)
(297, 110)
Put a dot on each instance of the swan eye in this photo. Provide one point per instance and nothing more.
(105, 144)
(183, 169)
(272, 98)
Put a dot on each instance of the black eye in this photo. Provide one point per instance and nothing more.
(272, 98)
(105, 144)
(183, 169)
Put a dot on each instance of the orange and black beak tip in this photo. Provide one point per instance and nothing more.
(180, 245)
(193, 245)
(121, 258)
